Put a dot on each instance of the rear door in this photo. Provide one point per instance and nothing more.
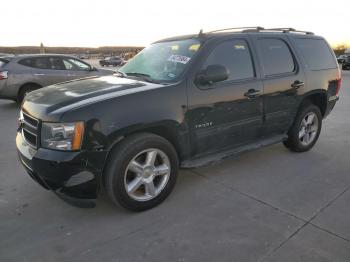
(283, 78)
(227, 114)
(45, 70)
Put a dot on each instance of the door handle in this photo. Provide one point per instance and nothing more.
(39, 74)
(297, 84)
(252, 93)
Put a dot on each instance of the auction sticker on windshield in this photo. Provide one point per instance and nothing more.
(179, 59)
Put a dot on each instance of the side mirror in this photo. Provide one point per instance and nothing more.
(92, 68)
(212, 74)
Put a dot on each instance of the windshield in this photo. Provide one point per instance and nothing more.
(163, 61)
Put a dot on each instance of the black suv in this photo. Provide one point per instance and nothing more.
(346, 63)
(112, 61)
(182, 102)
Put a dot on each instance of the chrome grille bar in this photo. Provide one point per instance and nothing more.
(30, 132)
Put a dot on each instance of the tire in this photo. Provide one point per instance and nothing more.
(24, 91)
(306, 128)
(120, 172)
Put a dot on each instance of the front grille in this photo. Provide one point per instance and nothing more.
(30, 130)
(31, 121)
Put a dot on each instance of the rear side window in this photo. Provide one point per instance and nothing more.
(317, 53)
(27, 62)
(235, 56)
(276, 57)
(36, 62)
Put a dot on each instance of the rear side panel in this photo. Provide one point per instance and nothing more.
(17, 76)
(320, 66)
(3, 82)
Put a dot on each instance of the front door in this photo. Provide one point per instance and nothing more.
(77, 69)
(226, 114)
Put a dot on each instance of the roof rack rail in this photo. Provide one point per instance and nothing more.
(288, 30)
(259, 29)
(237, 28)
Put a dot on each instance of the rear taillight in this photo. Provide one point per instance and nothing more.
(3, 75)
(338, 83)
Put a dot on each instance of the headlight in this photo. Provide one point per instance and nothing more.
(62, 136)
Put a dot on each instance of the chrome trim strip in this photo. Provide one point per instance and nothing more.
(332, 98)
(26, 165)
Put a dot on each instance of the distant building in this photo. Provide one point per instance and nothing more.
(347, 51)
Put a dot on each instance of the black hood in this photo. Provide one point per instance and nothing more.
(46, 103)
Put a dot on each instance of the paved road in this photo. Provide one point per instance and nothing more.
(267, 205)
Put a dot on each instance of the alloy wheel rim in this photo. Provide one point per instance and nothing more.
(308, 129)
(147, 174)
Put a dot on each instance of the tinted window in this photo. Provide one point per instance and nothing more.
(276, 56)
(27, 62)
(36, 62)
(42, 63)
(57, 63)
(235, 56)
(317, 53)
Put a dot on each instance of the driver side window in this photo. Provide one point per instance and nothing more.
(76, 65)
(235, 56)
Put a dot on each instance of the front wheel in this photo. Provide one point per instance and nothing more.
(306, 129)
(141, 172)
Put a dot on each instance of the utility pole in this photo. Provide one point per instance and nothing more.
(42, 48)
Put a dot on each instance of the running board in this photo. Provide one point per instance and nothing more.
(217, 157)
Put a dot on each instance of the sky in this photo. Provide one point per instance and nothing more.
(92, 23)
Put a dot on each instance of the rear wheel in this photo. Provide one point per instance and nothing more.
(305, 130)
(141, 172)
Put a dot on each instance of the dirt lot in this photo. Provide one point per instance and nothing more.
(267, 205)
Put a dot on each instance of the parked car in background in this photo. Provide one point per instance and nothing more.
(22, 74)
(181, 102)
(346, 63)
(342, 58)
(112, 61)
(83, 56)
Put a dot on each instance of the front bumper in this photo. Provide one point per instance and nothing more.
(73, 176)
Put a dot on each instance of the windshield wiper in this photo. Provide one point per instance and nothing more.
(143, 76)
(120, 73)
